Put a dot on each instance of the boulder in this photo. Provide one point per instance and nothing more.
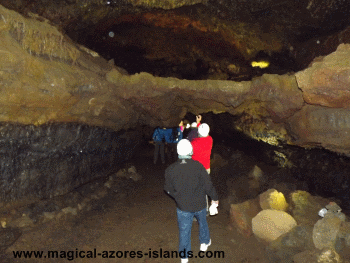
(316, 256)
(289, 244)
(304, 207)
(272, 199)
(326, 231)
(241, 215)
(344, 232)
(269, 224)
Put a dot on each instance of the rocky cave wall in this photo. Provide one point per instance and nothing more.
(39, 162)
(47, 81)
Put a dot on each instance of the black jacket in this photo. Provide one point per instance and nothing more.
(188, 183)
(193, 134)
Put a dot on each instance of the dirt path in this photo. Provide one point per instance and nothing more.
(143, 221)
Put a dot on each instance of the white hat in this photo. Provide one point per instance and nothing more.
(194, 125)
(203, 130)
(184, 147)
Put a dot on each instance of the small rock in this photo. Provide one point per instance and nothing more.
(333, 207)
(132, 169)
(48, 216)
(69, 210)
(329, 255)
(94, 196)
(256, 173)
(81, 206)
(23, 221)
(108, 184)
(60, 214)
(135, 176)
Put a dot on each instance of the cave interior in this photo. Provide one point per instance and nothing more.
(208, 40)
(219, 40)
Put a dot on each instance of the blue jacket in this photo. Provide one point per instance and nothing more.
(158, 135)
(169, 138)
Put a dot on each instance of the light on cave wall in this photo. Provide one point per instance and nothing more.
(260, 64)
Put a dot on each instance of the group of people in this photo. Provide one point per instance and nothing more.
(169, 137)
(188, 181)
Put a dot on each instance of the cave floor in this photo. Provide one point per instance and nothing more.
(144, 220)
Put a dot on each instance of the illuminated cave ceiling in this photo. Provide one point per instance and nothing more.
(207, 46)
(198, 39)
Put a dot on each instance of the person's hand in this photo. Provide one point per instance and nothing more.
(198, 118)
(215, 202)
(213, 209)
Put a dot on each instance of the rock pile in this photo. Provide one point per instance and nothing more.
(129, 173)
(292, 228)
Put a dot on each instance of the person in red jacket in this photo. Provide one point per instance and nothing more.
(202, 149)
(202, 146)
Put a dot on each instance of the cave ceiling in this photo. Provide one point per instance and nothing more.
(197, 39)
(127, 63)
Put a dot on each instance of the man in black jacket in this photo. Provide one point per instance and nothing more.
(188, 183)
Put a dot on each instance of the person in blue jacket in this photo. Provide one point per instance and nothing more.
(173, 136)
(158, 138)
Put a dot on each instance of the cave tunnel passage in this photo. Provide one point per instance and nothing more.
(53, 159)
(117, 211)
(318, 171)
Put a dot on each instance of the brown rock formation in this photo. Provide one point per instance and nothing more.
(56, 80)
(169, 58)
(326, 81)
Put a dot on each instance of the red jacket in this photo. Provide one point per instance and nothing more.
(202, 149)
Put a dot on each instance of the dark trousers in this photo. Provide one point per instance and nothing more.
(159, 148)
(172, 151)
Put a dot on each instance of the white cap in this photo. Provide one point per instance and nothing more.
(184, 147)
(194, 125)
(203, 130)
